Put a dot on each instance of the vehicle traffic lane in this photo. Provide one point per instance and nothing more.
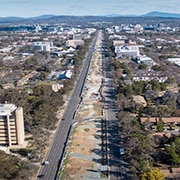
(118, 170)
(57, 148)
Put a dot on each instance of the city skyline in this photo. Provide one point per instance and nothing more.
(30, 8)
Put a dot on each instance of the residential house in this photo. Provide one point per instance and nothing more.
(171, 174)
(170, 123)
(25, 79)
(143, 75)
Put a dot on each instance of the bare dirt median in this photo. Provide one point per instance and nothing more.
(80, 158)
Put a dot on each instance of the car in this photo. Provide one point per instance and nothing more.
(121, 151)
(46, 163)
(63, 119)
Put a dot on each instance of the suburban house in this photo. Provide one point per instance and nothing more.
(170, 123)
(123, 41)
(144, 75)
(24, 80)
(172, 173)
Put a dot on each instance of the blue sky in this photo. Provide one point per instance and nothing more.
(29, 8)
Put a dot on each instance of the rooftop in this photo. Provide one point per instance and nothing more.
(6, 109)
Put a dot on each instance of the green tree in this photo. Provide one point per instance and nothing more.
(142, 67)
(155, 85)
(173, 152)
(160, 125)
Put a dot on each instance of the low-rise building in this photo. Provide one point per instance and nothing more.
(24, 80)
(143, 75)
(145, 60)
(127, 51)
(174, 60)
(74, 43)
(170, 123)
(43, 46)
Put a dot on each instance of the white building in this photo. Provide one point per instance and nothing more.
(174, 60)
(145, 60)
(65, 74)
(127, 51)
(144, 75)
(43, 46)
(11, 125)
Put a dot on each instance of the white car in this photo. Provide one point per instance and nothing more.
(46, 163)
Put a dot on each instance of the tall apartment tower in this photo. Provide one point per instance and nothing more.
(11, 125)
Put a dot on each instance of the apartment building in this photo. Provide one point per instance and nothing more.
(11, 125)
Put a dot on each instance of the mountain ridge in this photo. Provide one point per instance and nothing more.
(50, 16)
(161, 14)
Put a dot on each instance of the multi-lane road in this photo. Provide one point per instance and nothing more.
(55, 155)
(56, 150)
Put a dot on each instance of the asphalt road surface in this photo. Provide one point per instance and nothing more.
(57, 148)
(117, 167)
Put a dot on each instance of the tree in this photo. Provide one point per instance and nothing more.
(173, 152)
(153, 174)
(160, 125)
(142, 66)
(155, 85)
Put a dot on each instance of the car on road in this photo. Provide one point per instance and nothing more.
(46, 163)
(121, 151)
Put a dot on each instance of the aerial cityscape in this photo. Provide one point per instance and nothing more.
(90, 90)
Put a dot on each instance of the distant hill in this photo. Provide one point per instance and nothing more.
(161, 14)
(119, 15)
(10, 19)
(82, 19)
(45, 16)
(18, 19)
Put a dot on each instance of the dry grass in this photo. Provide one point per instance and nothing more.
(79, 159)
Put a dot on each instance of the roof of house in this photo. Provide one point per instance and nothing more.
(6, 109)
(174, 173)
(165, 119)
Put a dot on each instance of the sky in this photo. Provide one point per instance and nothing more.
(31, 8)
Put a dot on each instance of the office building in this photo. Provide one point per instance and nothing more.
(11, 125)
